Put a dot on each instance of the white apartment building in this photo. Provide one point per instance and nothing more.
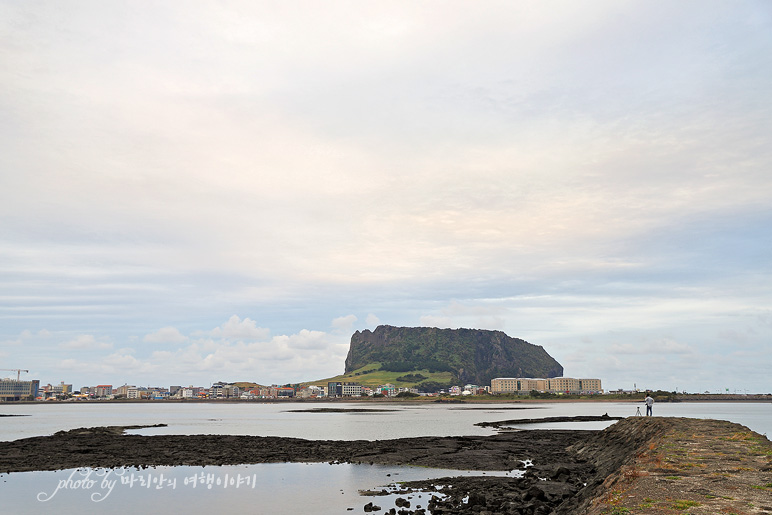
(552, 385)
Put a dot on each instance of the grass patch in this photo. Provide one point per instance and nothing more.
(370, 375)
(742, 436)
(647, 503)
(684, 504)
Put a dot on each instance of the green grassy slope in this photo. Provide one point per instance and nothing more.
(369, 375)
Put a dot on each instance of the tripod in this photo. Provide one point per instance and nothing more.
(638, 412)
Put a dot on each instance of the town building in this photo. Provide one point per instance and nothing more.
(388, 389)
(190, 392)
(55, 392)
(224, 391)
(282, 392)
(11, 390)
(352, 390)
(335, 389)
(123, 391)
(524, 385)
(102, 391)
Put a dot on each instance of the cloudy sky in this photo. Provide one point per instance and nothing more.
(200, 191)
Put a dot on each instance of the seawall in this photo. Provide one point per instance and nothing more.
(652, 465)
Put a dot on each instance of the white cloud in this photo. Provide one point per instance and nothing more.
(306, 339)
(85, 342)
(437, 321)
(75, 365)
(372, 320)
(26, 336)
(122, 362)
(304, 355)
(344, 323)
(236, 328)
(165, 335)
(657, 347)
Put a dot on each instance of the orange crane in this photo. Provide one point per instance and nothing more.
(17, 370)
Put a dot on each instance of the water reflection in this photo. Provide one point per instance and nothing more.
(272, 488)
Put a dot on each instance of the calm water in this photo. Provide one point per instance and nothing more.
(396, 421)
(284, 487)
(270, 489)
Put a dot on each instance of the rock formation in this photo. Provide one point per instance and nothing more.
(473, 355)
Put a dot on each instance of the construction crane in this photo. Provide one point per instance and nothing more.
(17, 370)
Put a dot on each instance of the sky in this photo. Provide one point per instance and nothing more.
(195, 191)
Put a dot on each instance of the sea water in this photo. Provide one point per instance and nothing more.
(384, 421)
(269, 488)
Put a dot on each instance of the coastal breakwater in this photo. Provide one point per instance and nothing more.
(639, 464)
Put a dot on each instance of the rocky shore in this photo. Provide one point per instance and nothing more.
(629, 466)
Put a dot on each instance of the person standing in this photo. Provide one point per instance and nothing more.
(649, 403)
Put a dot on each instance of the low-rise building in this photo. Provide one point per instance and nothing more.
(590, 386)
(335, 389)
(190, 392)
(123, 391)
(103, 391)
(11, 390)
(563, 385)
(352, 390)
(311, 392)
(54, 392)
(282, 392)
(388, 389)
(525, 385)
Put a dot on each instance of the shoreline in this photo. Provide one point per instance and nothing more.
(689, 398)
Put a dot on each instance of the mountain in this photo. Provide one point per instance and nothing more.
(473, 355)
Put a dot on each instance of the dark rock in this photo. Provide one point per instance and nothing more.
(476, 499)
(535, 493)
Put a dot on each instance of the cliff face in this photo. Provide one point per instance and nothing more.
(473, 355)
